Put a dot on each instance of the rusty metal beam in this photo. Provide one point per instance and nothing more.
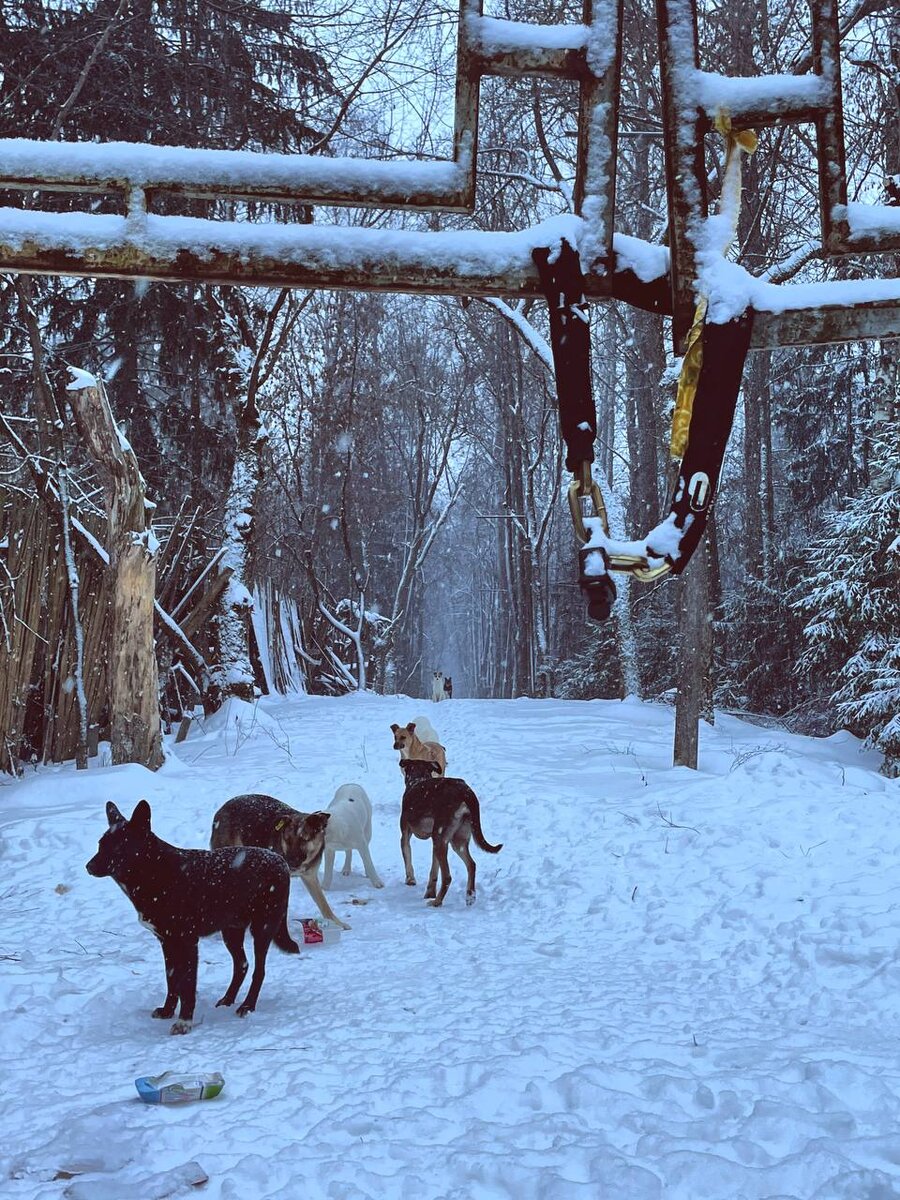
(317, 261)
(832, 167)
(598, 122)
(232, 175)
(468, 93)
(303, 256)
(501, 47)
(826, 324)
(142, 245)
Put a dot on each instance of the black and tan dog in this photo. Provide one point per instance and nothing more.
(184, 895)
(256, 820)
(448, 812)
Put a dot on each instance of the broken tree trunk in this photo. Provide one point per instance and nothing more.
(133, 676)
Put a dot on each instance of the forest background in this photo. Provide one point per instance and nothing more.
(407, 489)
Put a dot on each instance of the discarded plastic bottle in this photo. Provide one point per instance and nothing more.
(320, 933)
(171, 1088)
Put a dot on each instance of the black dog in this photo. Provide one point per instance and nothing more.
(448, 687)
(448, 812)
(184, 895)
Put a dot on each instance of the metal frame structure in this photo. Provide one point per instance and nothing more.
(141, 244)
(765, 102)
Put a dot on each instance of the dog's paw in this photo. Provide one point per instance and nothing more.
(181, 1026)
(346, 872)
(410, 883)
(470, 899)
(224, 1003)
(377, 883)
(435, 903)
(163, 1013)
(244, 1009)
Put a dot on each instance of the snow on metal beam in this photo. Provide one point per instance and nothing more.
(474, 263)
(762, 99)
(232, 174)
(466, 263)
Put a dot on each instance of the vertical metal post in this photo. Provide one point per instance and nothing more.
(468, 79)
(830, 125)
(598, 125)
(683, 140)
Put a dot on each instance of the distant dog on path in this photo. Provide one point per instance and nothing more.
(437, 686)
(349, 829)
(448, 687)
(448, 812)
(256, 820)
(184, 895)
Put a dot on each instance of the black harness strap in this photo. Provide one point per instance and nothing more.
(712, 416)
(724, 351)
(570, 339)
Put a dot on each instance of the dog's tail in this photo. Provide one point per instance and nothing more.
(477, 833)
(283, 939)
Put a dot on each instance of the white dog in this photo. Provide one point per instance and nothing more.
(349, 829)
(425, 730)
(437, 686)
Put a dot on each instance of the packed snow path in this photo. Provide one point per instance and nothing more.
(674, 983)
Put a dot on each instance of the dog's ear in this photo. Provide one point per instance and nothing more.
(411, 727)
(140, 818)
(315, 823)
(395, 727)
(113, 815)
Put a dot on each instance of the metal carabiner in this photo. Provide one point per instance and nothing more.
(585, 500)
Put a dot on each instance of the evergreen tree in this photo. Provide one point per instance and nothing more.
(851, 600)
(232, 75)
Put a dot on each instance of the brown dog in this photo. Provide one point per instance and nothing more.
(448, 812)
(256, 820)
(412, 747)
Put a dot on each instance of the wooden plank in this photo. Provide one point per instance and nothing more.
(205, 605)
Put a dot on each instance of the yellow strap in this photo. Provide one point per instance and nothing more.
(746, 140)
(687, 386)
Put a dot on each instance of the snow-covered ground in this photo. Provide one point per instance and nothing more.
(674, 983)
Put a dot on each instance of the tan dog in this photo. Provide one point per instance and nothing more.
(410, 745)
